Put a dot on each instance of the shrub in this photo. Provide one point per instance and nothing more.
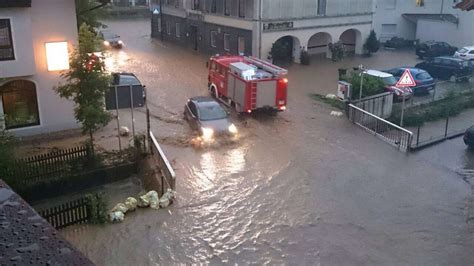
(279, 51)
(304, 58)
(371, 85)
(97, 208)
(372, 44)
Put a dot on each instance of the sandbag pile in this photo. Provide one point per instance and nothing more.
(150, 199)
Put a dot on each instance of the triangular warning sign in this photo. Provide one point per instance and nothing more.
(406, 80)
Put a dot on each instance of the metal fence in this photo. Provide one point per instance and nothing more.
(168, 176)
(389, 132)
(69, 213)
(379, 105)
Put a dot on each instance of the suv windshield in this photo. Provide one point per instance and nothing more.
(462, 51)
(211, 111)
(389, 80)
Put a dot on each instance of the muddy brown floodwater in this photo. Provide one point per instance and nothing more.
(300, 188)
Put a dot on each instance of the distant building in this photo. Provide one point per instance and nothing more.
(253, 26)
(130, 2)
(35, 39)
(426, 20)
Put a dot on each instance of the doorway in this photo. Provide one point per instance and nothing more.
(193, 37)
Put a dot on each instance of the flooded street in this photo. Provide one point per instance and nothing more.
(300, 188)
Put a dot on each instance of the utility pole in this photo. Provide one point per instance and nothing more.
(161, 20)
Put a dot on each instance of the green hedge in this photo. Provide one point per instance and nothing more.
(450, 106)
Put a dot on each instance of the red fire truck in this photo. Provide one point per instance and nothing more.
(248, 83)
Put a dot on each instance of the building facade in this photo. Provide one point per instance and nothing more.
(424, 20)
(36, 37)
(252, 27)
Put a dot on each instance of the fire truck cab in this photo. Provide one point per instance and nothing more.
(248, 83)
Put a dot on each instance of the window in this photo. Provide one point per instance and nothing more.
(214, 38)
(214, 6)
(196, 5)
(178, 30)
(471, 52)
(241, 44)
(6, 41)
(168, 28)
(242, 8)
(227, 7)
(227, 42)
(322, 7)
(19, 104)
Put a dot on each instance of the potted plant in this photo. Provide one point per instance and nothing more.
(337, 50)
(304, 57)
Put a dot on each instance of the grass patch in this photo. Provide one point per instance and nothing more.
(332, 102)
(450, 106)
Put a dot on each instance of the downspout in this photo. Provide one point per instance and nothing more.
(260, 29)
(161, 19)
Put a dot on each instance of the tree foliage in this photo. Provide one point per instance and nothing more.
(85, 13)
(7, 148)
(372, 45)
(87, 82)
(371, 85)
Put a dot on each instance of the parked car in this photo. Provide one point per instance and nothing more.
(447, 68)
(110, 39)
(469, 137)
(433, 49)
(424, 81)
(390, 84)
(466, 53)
(119, 91)
(206, 116)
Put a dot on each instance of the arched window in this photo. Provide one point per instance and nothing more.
(19, 104)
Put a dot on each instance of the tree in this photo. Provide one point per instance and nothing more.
(89, 12)
(86, 83)
(372, 44)
(7, 148)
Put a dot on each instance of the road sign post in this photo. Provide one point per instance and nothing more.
(406, 80)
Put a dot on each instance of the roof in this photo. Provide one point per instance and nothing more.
(451, 58)
(465, 5)
(28, 239)
(379, 74)
(202, 99)
(15, 3)
(468, 47)
(442, 17)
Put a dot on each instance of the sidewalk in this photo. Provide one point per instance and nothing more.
(439, 130)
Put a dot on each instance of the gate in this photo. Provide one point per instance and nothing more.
(388, 132)
(379, 105)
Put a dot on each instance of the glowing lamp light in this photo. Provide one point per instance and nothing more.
(57, 56)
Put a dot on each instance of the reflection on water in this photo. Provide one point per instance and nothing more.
(213, 166)
(116, 61)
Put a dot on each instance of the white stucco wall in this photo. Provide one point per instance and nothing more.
(20, 22)
(51, 21)
(334, 26)
(459, 35)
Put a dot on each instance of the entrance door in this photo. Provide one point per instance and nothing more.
(241, 45)
(193, 37)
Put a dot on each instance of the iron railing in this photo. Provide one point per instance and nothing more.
(168, 176)
(388, 132)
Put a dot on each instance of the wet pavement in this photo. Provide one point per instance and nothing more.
(300, 188)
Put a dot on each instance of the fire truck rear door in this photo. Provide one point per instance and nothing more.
(266, 93)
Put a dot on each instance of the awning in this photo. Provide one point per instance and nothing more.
(441, 17)
(15, 3)
(465, 5)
